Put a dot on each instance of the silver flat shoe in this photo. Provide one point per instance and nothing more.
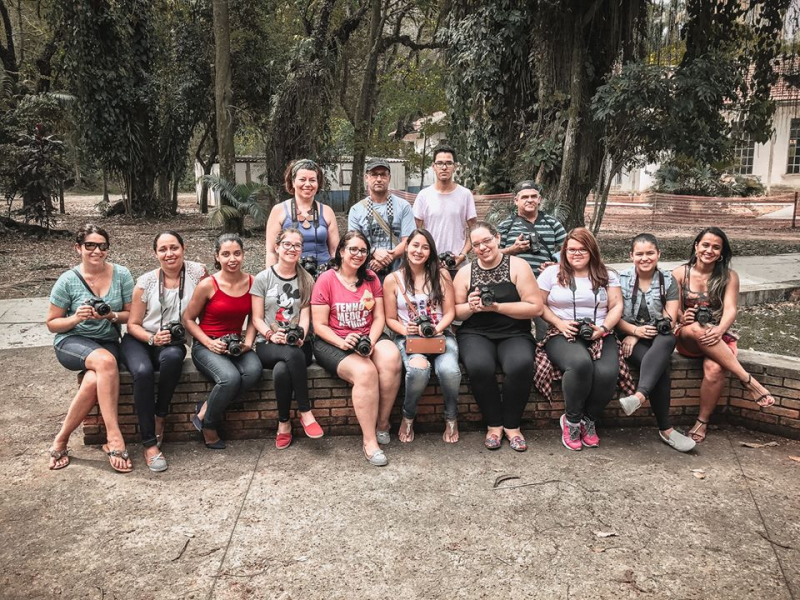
(680, 442)
(157, 463)
(383, 437)
(630, 404)
(378, 458)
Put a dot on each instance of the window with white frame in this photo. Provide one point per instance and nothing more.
(793, 165)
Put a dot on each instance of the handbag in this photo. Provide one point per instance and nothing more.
(417, 344)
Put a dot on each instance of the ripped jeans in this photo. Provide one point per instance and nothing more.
(447, 372)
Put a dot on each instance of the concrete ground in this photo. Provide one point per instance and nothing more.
(628, 520)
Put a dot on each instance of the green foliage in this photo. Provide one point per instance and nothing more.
(244, 201)
(684, 176)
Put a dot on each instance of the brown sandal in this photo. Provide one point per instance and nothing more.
(57, 455)
(761, 399)
(694, 432)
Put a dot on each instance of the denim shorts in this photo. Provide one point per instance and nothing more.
(73, 351)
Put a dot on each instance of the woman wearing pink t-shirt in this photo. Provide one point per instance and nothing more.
(348, 316)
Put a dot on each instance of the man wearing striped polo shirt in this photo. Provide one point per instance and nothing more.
(530, 234)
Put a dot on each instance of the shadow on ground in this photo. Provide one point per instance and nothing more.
(629, 520)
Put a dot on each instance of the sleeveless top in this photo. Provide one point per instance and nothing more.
(421, 303)
(691, 299)
(315, 236)
(491, 325)
(225, 314)
(156, 313)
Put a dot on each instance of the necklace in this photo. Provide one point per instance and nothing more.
(346, 282)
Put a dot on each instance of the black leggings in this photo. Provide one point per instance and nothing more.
(289, 372)
(480, 356)
(588, 384)
(142, 361)
(653, 359)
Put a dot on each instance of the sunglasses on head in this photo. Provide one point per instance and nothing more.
(90, 246)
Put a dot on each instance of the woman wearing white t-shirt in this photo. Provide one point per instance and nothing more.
(583, 303)
(159, 299)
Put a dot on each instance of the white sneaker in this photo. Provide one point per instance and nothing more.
(630, 404)
(680, 442)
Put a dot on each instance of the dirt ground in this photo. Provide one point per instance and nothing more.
(631, 520)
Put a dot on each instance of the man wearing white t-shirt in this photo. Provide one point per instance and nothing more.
(445, 208)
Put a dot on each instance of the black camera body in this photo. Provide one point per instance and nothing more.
(294, 333)
(176, 330)
(100, 307)
(363, 345)
(703, 315)
(234, 342)
(487, 295)
(585, 328)
(533, 242)
(425, 325)
(310, 264)
(449, 259)
(663, 325)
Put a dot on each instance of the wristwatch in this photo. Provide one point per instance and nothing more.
(150, 340)
(115, 318)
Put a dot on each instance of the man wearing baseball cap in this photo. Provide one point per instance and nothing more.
(383, 218)
(531, 234)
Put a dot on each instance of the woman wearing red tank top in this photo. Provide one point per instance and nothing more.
(222, 303)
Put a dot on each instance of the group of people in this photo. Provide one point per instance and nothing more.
(397, 297)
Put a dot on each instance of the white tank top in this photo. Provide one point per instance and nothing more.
(421, 304)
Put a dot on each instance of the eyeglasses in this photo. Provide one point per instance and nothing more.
(380, 175)
(444, 164)
(91, 246)
(485, 242)
(291, 246)
(577, 251)
(357, 251)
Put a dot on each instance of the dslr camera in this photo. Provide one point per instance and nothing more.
(449, 260)
(487, 295)
(426, 328)
(310, 264)
(663, 325)
(234, 343)
(585, 329)
(363, 345)
(294, 333)
(533, 241)
(703, 315)
(100, 307)
(176, 330)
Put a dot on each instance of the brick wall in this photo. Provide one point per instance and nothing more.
(256, 414)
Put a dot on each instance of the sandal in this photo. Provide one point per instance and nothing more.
(406, 432)
(493, 441)
(770, 400)
(694, 432)
(57, 455)
(518, 443)
(451, 431)
(123, 454)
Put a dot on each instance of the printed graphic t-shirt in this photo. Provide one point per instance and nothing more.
(281, 298)
(351, 311)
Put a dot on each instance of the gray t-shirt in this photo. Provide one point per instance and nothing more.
(69, 293)
(402, 223)
(281, 298)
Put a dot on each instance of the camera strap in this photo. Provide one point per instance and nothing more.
(661, 289)
(314, 220)
(181, 282)
(77, 272)
(373, 216)
(574, 287)
(412, 308)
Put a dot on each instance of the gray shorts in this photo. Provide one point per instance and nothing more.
(73, 351)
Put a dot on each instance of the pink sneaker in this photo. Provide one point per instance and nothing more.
(570, 434)
(589, 434)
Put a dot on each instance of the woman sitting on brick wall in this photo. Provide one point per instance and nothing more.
(348, 314)
(156, 339)
(282, 306)
(422, 282)
(583, 304)
(650, 299)
(709, 301)
(87, 305)
(496, 298)
(222, 302)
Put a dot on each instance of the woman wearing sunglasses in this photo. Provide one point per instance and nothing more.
(348, 315)
(315, 220)
(87, 305)
(281, 315)
(583, 304)
(156, 339)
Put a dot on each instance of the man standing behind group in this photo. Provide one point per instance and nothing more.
(445, 208)
(530, 234)
(383, 218)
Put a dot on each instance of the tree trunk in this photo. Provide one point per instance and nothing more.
(106, 199)
(173, 207)
(222, 91)
(61, 209)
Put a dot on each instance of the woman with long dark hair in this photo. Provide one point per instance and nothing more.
(650, 309)
(315, 221)
(222, 303)
(496, 298)
(421, 292)
(155, 340)
(281, 315)
(709, 302)
(583, 304)
(348, 315)
(87, 305)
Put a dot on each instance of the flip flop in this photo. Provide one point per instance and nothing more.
(123, 454)
(58, 455)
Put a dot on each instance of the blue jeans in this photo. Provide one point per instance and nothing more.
(447, 371)
(232, 376)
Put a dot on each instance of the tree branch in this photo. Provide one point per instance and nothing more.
(7, 53)
(408, 43)
(348, 26)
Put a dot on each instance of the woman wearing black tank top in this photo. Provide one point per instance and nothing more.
(709, 302)
(496, 297)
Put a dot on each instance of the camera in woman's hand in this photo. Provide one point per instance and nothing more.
(663, 325)
(703, 315)
(233, 342)
(425, 326)
(294, 333)
(100, 307)
(176, 331)
(487, 295)
(363, 345)
(585, 328)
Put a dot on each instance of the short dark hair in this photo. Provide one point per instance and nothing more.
(444, 149)
(89, 229)
(174, 234)
(291, 172)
